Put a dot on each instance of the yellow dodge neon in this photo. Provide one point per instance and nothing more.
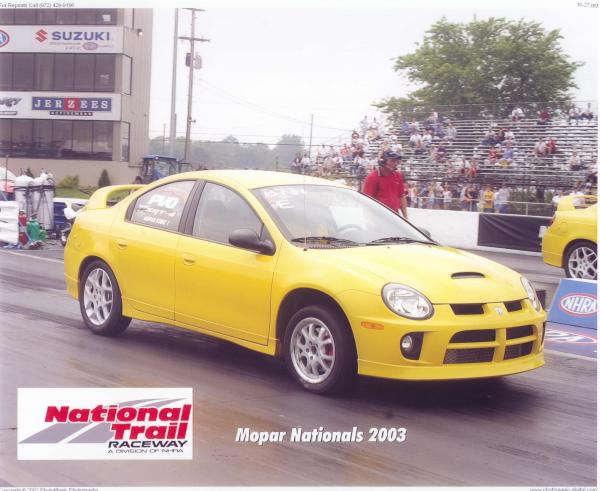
(570, 242)
(303, 268)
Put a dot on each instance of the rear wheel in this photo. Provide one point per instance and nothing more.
(319, 350)
(100, 300)
(581, 261)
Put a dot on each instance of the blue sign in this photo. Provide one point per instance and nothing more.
(575, 303)
(77, 104)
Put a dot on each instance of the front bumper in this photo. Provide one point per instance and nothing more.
(493, 343)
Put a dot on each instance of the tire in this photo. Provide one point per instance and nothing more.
(581, 261)
(319, 350)
(98, 283)
(63, 236)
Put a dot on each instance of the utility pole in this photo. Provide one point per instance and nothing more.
(310, 137)
(173, 125)
(164, 138)
(192, 39)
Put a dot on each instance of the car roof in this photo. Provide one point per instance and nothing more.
(252, 179)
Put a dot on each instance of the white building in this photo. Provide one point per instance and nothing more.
(75, 91)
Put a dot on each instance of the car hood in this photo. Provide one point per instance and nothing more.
(443, 274)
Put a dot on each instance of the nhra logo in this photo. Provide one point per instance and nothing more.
(41, 36)
(4, 38)
(135, 428)
(579, 304)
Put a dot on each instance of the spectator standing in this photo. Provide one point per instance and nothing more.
(447, 197)
(502, 198)
(472, 197)
(386, 184)
(451, 132)
(464, 200)
(488, 200)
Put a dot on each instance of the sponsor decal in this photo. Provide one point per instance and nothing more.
(9, 102)
(4, 38)
(41, 36)
(71, 106)
(568, 337)
(107, 424)
(579, 304)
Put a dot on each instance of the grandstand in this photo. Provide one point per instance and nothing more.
(525, 170)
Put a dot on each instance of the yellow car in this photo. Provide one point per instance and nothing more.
(299, 267)
(570, 241)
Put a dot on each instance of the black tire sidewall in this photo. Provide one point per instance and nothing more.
(116, 322)
(344, 368)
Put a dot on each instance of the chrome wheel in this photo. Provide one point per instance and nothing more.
(582, 263)
(98, 296)
(313, 350)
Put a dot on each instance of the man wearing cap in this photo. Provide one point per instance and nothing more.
(386, 184)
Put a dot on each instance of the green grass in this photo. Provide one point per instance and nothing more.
(71, 193)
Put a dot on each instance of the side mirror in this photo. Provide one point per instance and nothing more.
(248, 239)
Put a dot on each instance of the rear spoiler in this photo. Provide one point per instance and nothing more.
(99, 199)
(576, 201)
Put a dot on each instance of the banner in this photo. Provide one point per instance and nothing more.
(9, 222)
(61, 39)
(575, 303)
(519, 232)
(61, 105)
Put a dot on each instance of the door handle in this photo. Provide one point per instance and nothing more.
(188, 259)
(121, 244)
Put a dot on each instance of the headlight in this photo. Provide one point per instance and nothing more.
(531, 293)
(406, 301)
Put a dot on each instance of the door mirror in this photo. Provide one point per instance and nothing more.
(248, 239)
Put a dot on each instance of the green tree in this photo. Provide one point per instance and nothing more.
(494, 62)
(287, 148)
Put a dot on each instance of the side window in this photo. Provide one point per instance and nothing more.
(220, 212)
(163, 206)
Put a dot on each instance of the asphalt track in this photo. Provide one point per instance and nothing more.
(531, 429)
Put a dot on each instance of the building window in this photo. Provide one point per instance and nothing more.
(25, 17)
(62, 139)
(46, 16)
(127, 74)
(125, 129)
(82, 139)
(106, 17)
(86, 17)
(7, 17)
(6, 62)
(21, 138)
(66, 16)
(105, 73)
(44, 72)
(23, 71)
(63, 72)
(42, 139)
(84, 73)
(102, 140)
(5, 139)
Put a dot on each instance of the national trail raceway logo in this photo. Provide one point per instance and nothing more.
(105, 424)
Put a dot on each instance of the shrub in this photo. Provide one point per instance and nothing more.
(104, 179)
(71, 182)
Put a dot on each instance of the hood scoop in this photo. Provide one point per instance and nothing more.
(467, 274)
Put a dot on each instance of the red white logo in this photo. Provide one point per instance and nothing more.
(93, 424)
(41, 35)
(579, 304)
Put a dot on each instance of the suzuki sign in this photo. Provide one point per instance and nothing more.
(62, 39)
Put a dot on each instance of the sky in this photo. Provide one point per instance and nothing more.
(270, 65)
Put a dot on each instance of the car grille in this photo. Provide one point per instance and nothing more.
(472, 355)
(467, 308)
(513, 306)
(518, 350)
(485, 354)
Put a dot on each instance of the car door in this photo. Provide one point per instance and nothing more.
(145, 242)
(220, 287)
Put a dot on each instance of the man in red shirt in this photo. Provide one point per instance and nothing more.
(386, 184)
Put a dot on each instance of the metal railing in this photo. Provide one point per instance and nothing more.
(508, 208)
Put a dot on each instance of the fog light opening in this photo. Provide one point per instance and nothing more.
(410, 345)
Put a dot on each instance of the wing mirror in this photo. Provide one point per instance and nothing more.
(248, 239)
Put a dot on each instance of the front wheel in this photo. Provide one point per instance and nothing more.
(319, 350)
(100, 301)
(581, 261)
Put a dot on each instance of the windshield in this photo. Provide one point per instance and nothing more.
(334, 217)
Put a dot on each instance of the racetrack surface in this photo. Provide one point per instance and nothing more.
(531, 429)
